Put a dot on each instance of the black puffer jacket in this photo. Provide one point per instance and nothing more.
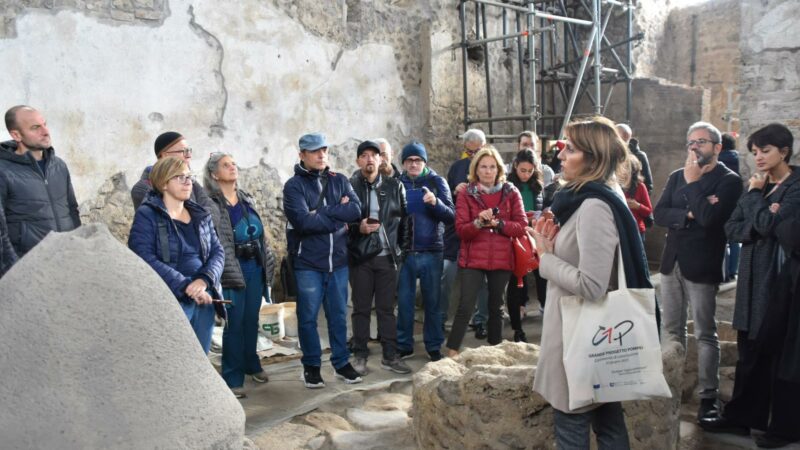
(232, 277)
(7, 254)
(393, 216)
(35, 203)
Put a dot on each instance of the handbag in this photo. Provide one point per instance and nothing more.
(526, 257)
(611, 347)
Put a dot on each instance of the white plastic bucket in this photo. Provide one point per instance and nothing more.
(270, 321)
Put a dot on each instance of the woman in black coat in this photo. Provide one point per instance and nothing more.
(248, 272)
(761, 400)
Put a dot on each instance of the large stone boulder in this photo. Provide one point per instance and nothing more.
(98, 354)
(483, 399)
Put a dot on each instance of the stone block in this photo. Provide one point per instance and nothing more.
(78, 373)
(484, 398)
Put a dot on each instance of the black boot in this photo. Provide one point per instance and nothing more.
(519, 336)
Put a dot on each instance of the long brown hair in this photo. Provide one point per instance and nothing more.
(603, 150)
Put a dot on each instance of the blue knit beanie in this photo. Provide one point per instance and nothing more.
(414, 148)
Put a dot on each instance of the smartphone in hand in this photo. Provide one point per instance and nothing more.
(373, 221)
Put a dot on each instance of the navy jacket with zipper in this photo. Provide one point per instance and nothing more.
(427, 227)
(144, 240)
(317, 238)
(35, 203)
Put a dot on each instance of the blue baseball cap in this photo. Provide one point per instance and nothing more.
(312, 142)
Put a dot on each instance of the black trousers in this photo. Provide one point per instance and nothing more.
(516, 297)
(758, 393)
(470, 282)
(376, 278)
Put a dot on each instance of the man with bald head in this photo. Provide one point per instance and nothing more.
(170, 144)
(35, 185)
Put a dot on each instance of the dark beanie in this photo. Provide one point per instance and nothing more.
(414, 148)
(165, 140)
(367, 145)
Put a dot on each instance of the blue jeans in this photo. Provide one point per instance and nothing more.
(607, 422)
(201, 317)
(427, 266)
(329, 290)
(240, 336)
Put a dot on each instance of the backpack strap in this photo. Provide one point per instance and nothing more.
(163, 240)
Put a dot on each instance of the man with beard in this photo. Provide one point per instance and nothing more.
(35, 185)
(697, 201)
(375, 248)
(170, 144)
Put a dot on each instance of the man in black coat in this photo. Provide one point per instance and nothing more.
(35, 185)
(694, 206)
(375, 250)
(7, 254)
(170, 144)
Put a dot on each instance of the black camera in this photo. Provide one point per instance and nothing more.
(248, 250)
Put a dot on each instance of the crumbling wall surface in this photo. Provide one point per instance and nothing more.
(97, 353)
(484, 399)
(709, 31)
(247, 77)
(770, 70)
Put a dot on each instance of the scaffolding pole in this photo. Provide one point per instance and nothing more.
(557, 71)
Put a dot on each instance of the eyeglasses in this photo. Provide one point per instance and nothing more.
(414, 160)
(699, 142)
(186, 151)
(184, 179)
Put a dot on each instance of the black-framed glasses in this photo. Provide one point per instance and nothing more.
(415, 160)
(184, 179)
(185, 152)
(699, 142)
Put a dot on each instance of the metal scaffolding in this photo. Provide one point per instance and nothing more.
(556, 42)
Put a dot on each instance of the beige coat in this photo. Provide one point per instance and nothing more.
(583, 264)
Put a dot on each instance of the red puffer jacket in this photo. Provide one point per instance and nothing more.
(484, 248)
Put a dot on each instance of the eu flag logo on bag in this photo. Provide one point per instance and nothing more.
(608, 333)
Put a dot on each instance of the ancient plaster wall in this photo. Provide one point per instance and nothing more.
(770, 84)
(247, 77)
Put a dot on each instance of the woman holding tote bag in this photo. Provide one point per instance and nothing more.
(580, 259)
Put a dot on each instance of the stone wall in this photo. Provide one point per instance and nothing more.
(770, 84)
(710, 31)
(245, 77)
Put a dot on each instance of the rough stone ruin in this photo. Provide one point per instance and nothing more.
(484, 398)
(97, 354)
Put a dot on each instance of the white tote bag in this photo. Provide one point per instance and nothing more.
(611, 347)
